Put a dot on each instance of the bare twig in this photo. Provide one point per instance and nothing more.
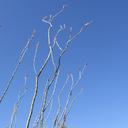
(21, 57)
(61, 28)
(48, 115)
(17, 104)
(49, 20)
(46, 91)
(34, 59)
(49, 102)
(59, 103)
(50, 54)
(54, 90)
(59, 12)
(73, 100)
(37, 80)
(69, 101)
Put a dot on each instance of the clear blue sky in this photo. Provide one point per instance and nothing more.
(104, 103)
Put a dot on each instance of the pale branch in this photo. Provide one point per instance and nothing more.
(59, 12)
(81, 72)
(59, 60)
(54, 90)
(36, 89)
(68, 101)
(49, 21)
(32, 103)
(17, 104)
(34, 59)
(39, 73)
(73, 100)
(37, 79)
(59, 102)
(71, 38)
(37, 121)
(69, 107)
(46, 91)
(49, 85)
(51, 18)
(48, 115)
(50, 54)
(61, 28)
(50, 47)
(21, 57)
(70, 32)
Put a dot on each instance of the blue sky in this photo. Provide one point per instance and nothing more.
(104, 46)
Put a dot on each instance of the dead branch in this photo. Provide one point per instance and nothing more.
(21, 57)
(17, 104)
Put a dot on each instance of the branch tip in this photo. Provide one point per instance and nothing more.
(87, 23)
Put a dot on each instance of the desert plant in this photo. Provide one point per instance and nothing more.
(51, 83)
